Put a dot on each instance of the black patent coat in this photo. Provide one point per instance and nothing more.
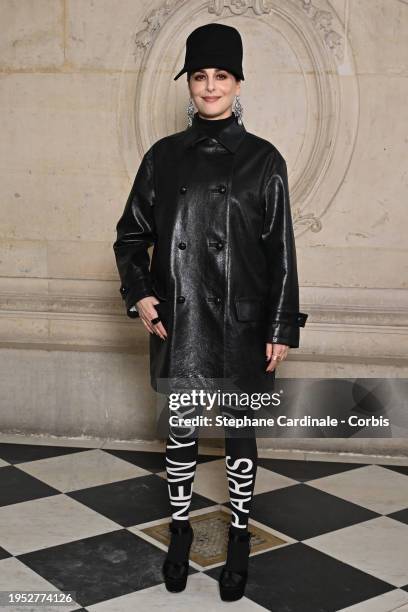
(217, 213)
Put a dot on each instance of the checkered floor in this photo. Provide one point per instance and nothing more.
(72, 519)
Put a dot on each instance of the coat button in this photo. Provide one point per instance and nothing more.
(181, 299)
(183, 189)
(219, 246)
(222, 189)
(218, 300)
(182, 245)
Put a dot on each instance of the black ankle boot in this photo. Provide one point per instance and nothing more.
(234, 574)
(175, 566)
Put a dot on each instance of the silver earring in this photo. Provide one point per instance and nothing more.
(238, 109)
(190, 113)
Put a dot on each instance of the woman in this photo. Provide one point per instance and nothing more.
(220, 297)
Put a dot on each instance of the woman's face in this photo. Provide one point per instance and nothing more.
(212, 91)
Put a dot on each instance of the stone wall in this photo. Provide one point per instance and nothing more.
(87, 86)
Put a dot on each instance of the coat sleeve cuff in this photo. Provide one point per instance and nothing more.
(131, 295)
(284, 328)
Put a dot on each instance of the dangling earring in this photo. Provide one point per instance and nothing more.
(238, 109)
(190, 113)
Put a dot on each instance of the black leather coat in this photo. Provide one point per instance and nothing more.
(224, 259)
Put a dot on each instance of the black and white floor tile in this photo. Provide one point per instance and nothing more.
(71, 519)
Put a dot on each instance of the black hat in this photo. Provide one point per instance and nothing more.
(214, 45)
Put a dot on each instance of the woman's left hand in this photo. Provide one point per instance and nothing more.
(275, 353)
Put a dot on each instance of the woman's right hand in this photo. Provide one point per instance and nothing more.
(147, 312)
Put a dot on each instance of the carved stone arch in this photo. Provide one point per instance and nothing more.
(308, 35)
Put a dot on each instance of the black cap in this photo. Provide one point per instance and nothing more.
(214, 45)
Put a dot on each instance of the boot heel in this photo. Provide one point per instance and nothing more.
(232, 582)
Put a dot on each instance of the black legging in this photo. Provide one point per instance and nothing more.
(241, 458)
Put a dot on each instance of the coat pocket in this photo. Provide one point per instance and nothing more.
(249, 309)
